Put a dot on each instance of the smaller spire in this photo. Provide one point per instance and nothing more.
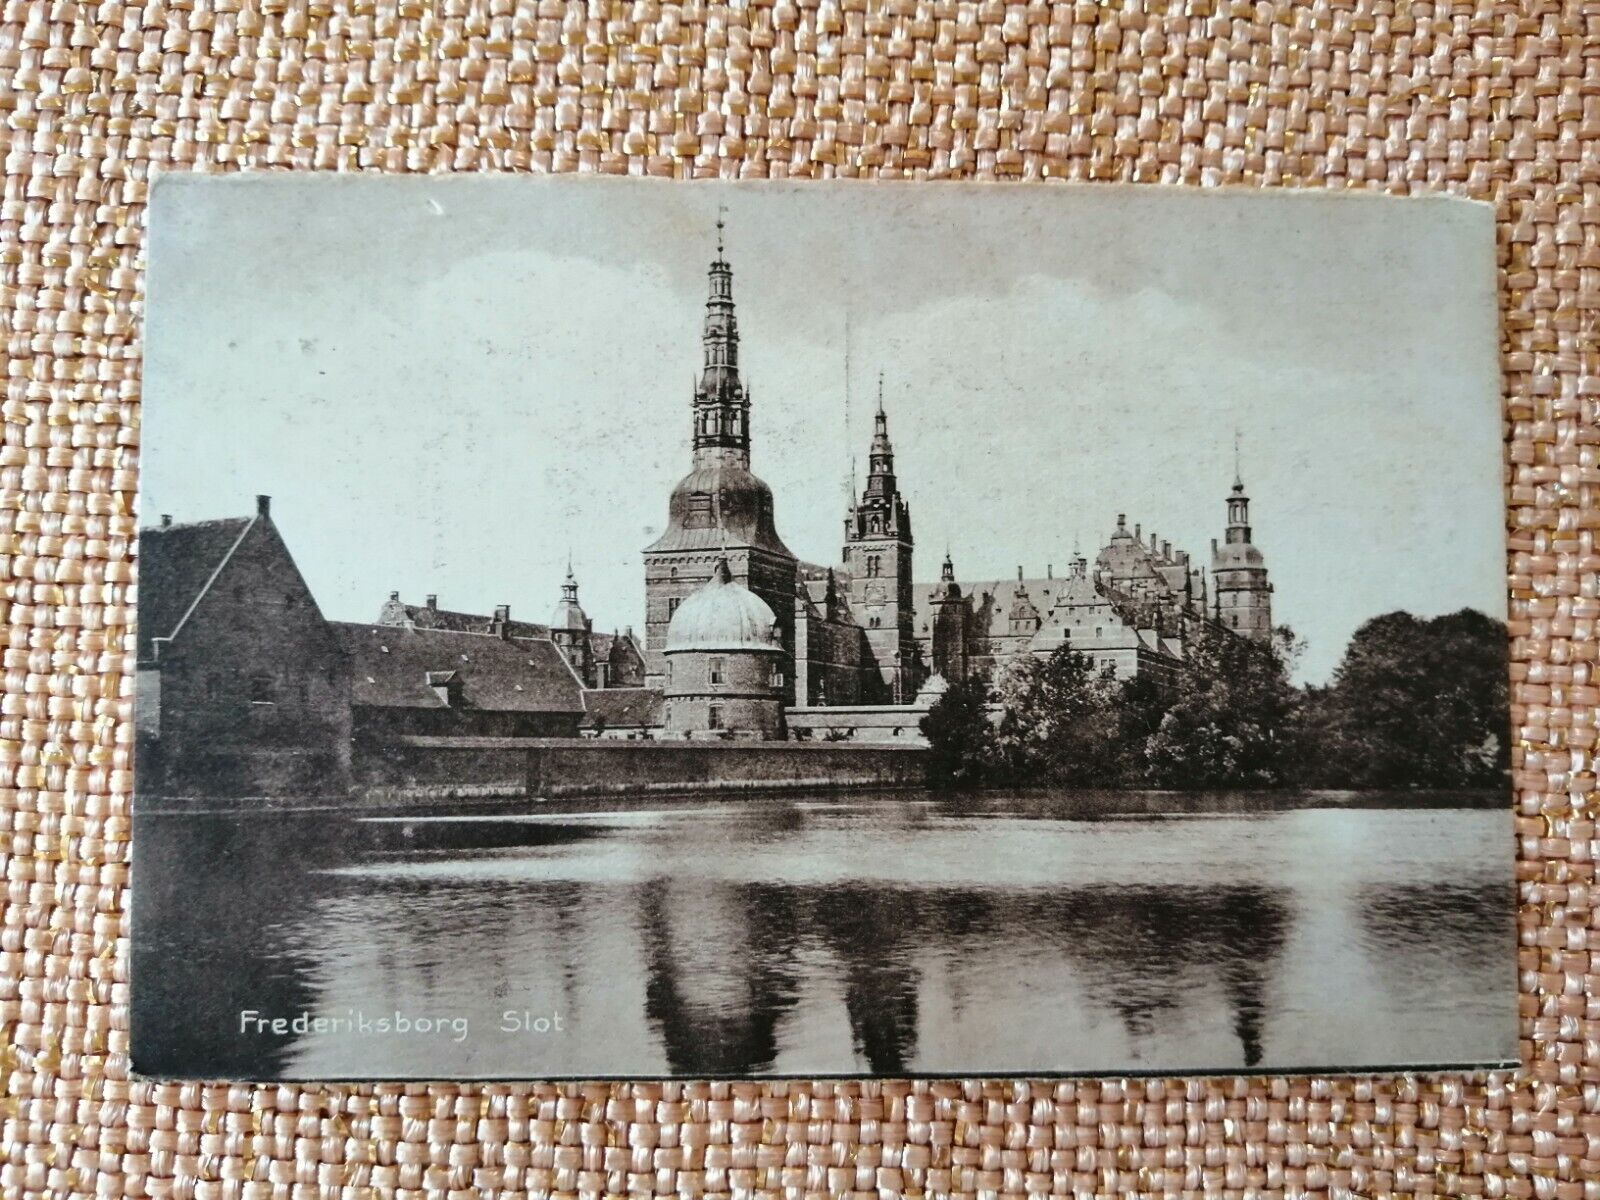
(880, 395)
(722, 213)
(947, 573)
(1238, 475)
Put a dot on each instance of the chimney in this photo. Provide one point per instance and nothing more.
(394, 595)
(166, 520)
(1049, 570)
(433, 602)
(501, 627)
(1138, 532)
(627, 632)
(263, 506)
(1213, 547)
(1152, 541)
(1166, 548)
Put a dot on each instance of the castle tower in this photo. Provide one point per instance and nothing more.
(877, 557)
(719, 511)
(949, 640)
(724, 664)
(570, 629)
(1243, 597)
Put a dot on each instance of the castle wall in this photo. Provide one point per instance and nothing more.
(619, 768)
(831, 661)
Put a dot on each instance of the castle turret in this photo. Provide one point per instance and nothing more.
(570, 631)
(949, 633)
(719, 510)
(724, 673)
(1243, 596)
(877, 554)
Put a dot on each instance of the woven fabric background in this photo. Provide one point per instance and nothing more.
(1499, 101)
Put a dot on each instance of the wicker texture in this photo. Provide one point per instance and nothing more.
(1497, 101)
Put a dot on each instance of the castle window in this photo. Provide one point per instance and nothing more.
(672, 605)
(777, 676)
(714, 717)
(263, 689)
(669, 670)
(716, 670)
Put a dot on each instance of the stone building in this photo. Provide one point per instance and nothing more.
(245, 689)
(862, 633)
(1244, 597)
(724, 660)
(600, 660)
(439, 683)
(719, 511)
(242, 690)
(878, 564)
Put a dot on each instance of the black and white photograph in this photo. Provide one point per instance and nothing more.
(599, 628)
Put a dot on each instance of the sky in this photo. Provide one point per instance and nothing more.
(450, 384)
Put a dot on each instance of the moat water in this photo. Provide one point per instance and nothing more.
(818, 934)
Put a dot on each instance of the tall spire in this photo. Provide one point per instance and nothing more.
(721, 401)
(880, 472)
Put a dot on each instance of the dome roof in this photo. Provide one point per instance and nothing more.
(720, 505)
(569, 616)
(722, 615)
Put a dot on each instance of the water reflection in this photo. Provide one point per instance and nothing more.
(820, 936)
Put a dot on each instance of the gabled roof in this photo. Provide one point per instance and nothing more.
(395, 612)
(622, 708)
(177, 564)
(390, 665)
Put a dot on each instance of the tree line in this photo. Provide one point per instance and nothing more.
(1414, 703)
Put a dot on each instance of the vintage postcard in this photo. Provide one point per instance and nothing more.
(596, 628)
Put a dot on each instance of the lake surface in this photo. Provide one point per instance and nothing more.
(889, 934)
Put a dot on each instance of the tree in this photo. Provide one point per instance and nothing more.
(1415, 702)
(1229, 720)
(960, 736)
(1059, 721)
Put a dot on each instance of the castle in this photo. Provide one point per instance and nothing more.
(864, 633)
(245, 686)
